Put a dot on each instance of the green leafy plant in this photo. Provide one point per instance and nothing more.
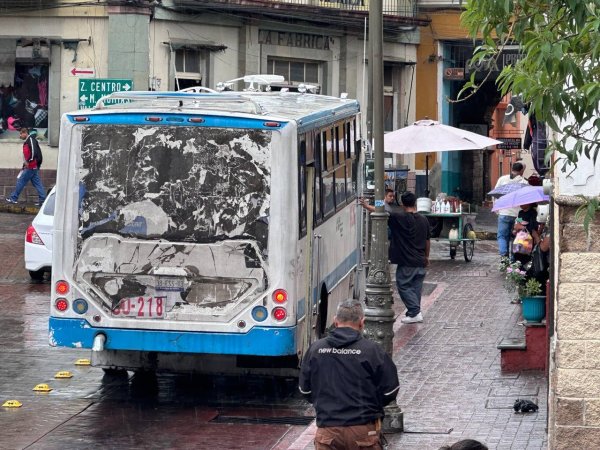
(557, 74)
(531, 288)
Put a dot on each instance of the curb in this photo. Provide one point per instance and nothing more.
(19, 208)
(486, 235)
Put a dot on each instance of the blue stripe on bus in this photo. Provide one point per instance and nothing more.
(260, 341)
(209, 121)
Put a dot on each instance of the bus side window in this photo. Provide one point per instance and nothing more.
(302, 187)
(350, 179)
(340, 186)
(328, 194)
(318, 200)
(329, 146)
(340, 147)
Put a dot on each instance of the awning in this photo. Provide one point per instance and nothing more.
(187, 44)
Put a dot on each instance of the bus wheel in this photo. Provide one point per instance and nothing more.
(37, 275)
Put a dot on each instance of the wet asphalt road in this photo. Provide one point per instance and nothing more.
(126, 411)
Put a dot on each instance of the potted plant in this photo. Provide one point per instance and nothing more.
(515, 277)
(534, 304)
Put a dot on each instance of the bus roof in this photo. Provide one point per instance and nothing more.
(304, 108)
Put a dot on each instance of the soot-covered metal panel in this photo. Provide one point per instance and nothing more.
(188, 184)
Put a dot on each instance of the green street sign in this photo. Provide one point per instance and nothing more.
(93, 89)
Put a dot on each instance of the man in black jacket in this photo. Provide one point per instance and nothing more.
(348, 379)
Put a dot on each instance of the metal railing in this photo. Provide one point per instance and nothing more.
(398, 8)
(404, 8)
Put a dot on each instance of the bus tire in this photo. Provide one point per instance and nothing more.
(37, 275)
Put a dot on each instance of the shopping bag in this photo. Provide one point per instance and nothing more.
(523, 243)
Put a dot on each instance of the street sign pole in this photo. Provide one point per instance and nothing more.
(379, 315)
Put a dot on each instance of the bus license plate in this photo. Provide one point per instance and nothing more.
(170, 284)
(141, 307)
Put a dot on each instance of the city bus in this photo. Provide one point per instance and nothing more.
(211, 232)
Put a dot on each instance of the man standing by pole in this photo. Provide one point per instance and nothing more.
(410, 251)
(349, 380)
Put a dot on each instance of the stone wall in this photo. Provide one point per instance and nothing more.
(8, 180)
(574, 420)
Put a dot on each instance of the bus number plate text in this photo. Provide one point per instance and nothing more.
(141, 307)
(171, 284)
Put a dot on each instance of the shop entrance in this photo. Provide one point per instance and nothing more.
(25, 103)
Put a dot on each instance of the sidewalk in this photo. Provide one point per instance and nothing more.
(451, 384)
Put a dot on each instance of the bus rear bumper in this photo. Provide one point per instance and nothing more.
(260, 341)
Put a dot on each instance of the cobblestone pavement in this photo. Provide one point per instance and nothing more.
(452, 387)
(451, 383)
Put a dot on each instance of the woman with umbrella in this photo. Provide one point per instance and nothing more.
(526, 223)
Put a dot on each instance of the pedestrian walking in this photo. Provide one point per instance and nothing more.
(507, 216)
(349, 380)
(32, 160)
(409, 249)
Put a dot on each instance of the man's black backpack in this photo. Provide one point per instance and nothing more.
(36, 150)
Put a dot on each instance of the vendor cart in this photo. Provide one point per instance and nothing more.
(454, 228)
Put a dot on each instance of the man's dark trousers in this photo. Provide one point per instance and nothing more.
(410, 285)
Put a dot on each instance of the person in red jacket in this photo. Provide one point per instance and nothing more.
(30, 171)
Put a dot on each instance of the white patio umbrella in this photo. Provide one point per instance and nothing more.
(426, 136)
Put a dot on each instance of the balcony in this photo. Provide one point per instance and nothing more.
(340, 13)
(445, 4)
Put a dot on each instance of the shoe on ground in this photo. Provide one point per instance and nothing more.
(10, 200)
(417, 319)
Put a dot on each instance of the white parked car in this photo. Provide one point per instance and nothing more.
(38, 240)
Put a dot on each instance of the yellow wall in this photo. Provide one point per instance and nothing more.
(444, 26)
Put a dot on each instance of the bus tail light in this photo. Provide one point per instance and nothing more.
(259, 313)
(279, 313)
(62, 287)
(80, 306)
(32, 237)
(280, 296)
(61, 304)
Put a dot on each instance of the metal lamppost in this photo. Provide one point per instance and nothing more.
(379, 315)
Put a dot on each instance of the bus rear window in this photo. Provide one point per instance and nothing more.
(186, 184)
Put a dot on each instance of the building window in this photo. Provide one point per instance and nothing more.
(296, 72)
(190, 68)
(389, 113)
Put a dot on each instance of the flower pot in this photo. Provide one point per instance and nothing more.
(534, 308)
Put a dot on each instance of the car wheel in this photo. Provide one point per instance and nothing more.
(37, 275)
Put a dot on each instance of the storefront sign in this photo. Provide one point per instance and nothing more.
(454, 73)
(509, 143)
(93, 89)
(494, 64)
(292, 39)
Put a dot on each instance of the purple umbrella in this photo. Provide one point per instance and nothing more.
(506, 189)
(523, 196)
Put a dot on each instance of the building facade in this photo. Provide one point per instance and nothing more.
(56, 57)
